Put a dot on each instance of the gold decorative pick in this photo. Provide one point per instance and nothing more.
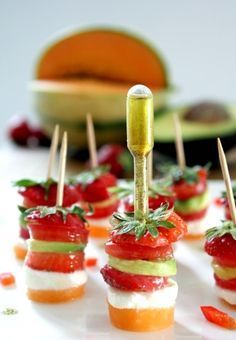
(150, 168)
(179, 145)
(91, 141)
(226, 176)
(62, 168)
(53, 151)
(140, 142)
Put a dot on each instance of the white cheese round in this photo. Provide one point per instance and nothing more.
(226, 294)
(160, 298)
(44, 280)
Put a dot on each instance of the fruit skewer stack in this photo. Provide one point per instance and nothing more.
(141, 295)
(54, 265)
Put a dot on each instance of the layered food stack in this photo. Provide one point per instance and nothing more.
(192, 198)
(141, 294)
(54, 265)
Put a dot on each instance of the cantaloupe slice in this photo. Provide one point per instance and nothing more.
(91, 71)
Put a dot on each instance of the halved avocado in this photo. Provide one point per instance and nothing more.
(201, 124)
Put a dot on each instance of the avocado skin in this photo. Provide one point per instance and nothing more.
(200, 151)
(142, 267)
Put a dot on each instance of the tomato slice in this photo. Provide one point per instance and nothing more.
(218, 317)
(131, 282)
(55, 262)
(185, 190)
(135, 251)
(193, 216)
(227, 284)
(174, 234)
(147, 240)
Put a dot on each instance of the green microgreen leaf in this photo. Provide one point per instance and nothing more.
(227, 227)
(188, 174)
(9, 311)
(87, 177)
(27, 183)
(46, 211)
(138, 224)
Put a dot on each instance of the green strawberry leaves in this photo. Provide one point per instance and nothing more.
(227, 227)
(128, 223)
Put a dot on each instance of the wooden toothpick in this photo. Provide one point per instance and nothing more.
(91, 141)
(53, 151)
(62, 167)
(179, 145)
(227, 180)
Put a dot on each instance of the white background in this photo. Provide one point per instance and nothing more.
(197, 38)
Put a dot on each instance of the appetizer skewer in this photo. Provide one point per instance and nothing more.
(191, 190)
(141, 295)
(221, 243)
(54, 265)
(40, 193)
(93, 188)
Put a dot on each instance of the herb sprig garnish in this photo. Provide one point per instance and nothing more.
(9, 311)
(224, 194)
(27, 183)
(127, 223)
(188, 174)
(227, 227)
(159, 187)
(87, 177)
(45, 211)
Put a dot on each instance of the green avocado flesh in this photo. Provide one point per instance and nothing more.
(164, 128)
(194, 204)
(54, 247)
(224, 273)
(141, 267)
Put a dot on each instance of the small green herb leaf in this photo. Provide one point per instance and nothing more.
(227, 227)
(88, 177)
(139, 225)
(10, 311)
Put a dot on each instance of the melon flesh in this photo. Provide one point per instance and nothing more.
(103, 54)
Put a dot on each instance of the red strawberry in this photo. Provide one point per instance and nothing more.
(117, 157)
(36, 195)
(223, 247)
(55, 262)
(97, 190)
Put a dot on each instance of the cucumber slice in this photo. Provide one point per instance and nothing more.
(194, 204)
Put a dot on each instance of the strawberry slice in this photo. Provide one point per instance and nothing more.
(174, 234)
(55, 262)
(223, 247)
(132, 282)
(97, 190)
(36, 195)
(136, 252)
(53, 228)
(218, 317)
(227, 284)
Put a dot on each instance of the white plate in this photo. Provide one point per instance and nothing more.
(87, 318)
